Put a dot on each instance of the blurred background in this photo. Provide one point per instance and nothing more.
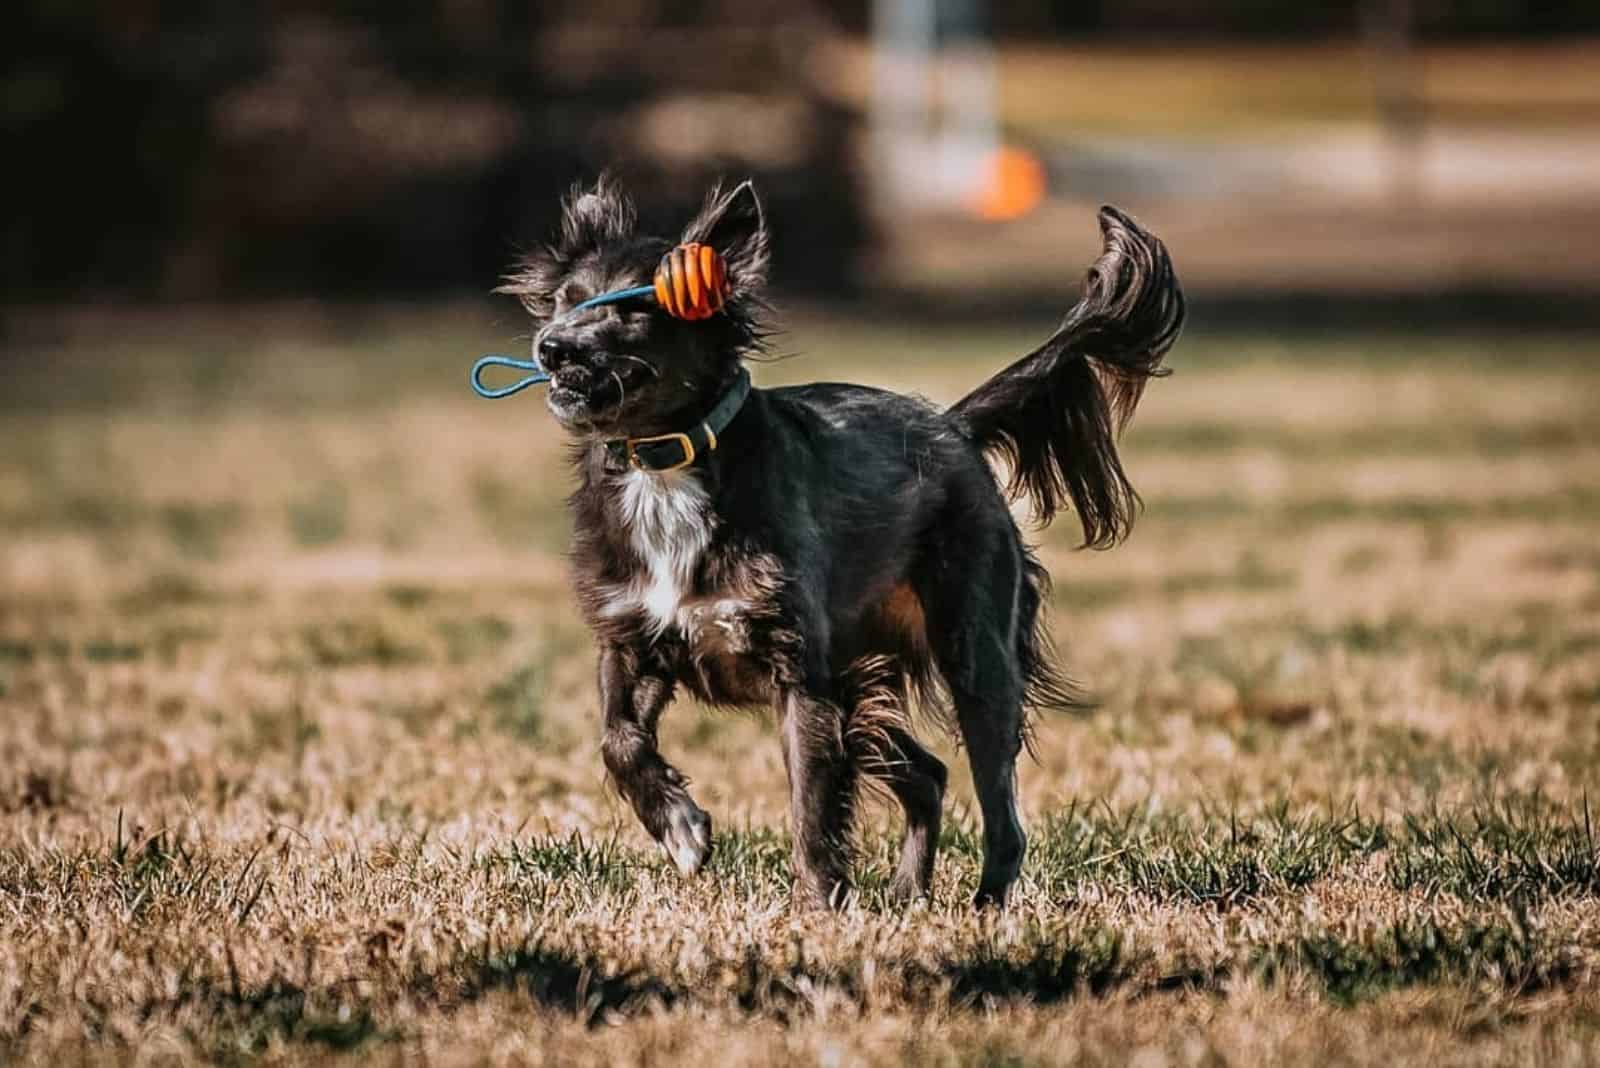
(943, 150)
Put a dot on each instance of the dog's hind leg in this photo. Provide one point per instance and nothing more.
(917, 779)
(974, 621)
(991, 726)
(889, 756)
(634, 688)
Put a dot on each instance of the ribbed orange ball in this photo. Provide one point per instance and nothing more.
(692, 282)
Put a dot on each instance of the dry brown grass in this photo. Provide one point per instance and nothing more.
(298, 751)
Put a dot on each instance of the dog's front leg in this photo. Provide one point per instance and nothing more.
(635, 685)
(821, 792)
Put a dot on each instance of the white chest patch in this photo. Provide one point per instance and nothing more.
(668, 519)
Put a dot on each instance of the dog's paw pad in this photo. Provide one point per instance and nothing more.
(687, 838)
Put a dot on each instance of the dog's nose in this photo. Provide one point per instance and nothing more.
(555, 351)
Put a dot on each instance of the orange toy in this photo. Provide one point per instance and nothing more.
(692, 282)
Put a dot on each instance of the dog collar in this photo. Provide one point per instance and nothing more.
(672, 452)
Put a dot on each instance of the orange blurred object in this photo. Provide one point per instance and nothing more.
(692, 282)
(1015, 185)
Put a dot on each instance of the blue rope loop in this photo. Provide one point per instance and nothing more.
(538, 375)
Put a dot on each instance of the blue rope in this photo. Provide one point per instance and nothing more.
(537, 375)
(616, 295)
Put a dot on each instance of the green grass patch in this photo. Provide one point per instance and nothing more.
(352, 642)
(1216, 861)
(570, 864)
(320, 517)
(517, 702)
(1571, 504)
(1518, 849)
(473, 637)
(1480, 440)
(1502, 955)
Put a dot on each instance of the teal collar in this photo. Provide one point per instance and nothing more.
(672, 452)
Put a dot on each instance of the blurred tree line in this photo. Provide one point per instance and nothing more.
(206, 148)
(1160, 19)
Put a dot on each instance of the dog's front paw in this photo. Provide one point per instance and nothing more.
(687, 836)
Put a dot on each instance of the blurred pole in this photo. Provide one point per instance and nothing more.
(968, 138)
(1389, 32)
(902, 47)
(933, 110)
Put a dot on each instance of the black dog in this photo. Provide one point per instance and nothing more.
(832, 551)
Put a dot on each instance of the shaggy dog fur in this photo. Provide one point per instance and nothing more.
(844, 551)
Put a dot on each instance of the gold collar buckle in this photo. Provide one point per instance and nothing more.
(683, 440)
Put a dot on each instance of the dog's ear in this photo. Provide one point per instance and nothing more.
(534, 280)
(734, 224)
(589, 219)
(594, 217)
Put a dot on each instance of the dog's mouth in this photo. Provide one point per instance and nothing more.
(583, 398)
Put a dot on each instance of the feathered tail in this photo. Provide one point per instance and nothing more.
(1055, 414)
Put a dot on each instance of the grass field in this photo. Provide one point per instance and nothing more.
(298, 745)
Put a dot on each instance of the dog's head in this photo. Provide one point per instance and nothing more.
(630, 367)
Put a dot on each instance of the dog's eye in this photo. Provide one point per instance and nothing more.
(569, 294)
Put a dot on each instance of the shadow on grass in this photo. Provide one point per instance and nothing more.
(1049, 967)
(1045, 966)
(582, 986)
